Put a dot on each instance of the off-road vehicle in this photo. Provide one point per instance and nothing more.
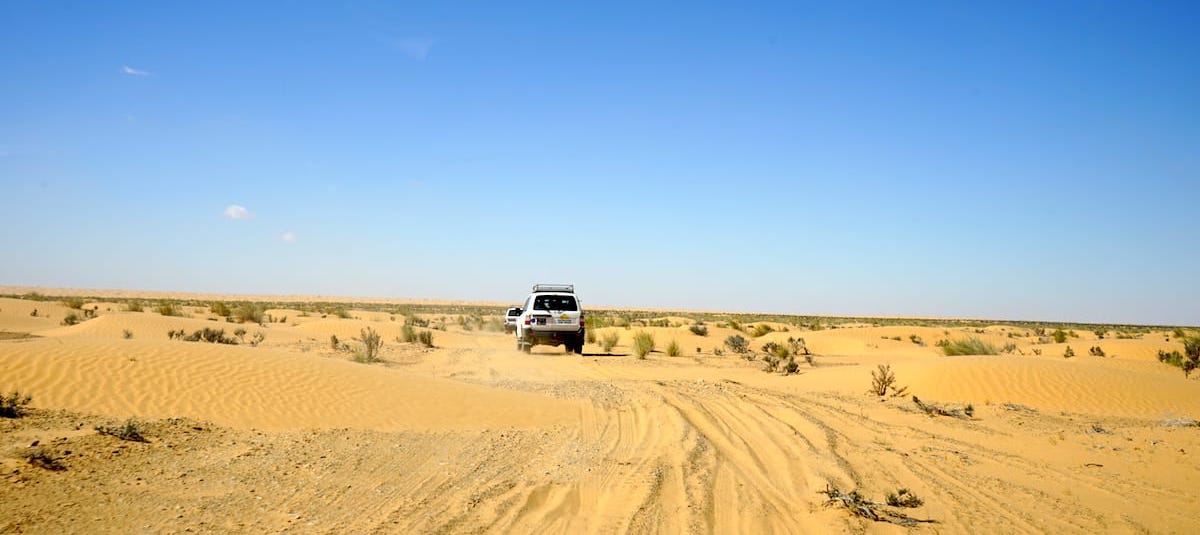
(510, 319)
(551, 315)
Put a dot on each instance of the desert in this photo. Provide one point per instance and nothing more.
(295, 431)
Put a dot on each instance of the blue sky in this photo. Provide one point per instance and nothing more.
(1015, 160)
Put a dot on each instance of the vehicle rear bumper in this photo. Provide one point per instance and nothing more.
(552, 337)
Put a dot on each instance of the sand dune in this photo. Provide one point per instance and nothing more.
(474, 435)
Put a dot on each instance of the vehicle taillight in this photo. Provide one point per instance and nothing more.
(581, 318)
(527, 320)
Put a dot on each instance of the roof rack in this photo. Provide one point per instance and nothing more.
(566, 288)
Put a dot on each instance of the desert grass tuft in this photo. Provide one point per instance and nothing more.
(969, 346)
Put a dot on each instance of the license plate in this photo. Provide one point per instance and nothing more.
(565, 322)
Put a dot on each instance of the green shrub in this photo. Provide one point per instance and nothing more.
(916, 339)
(761, 329)
(1187, 361)
(257, 338)
(371, 341)
(737, 344)
(168, 308)
(1068, 353)
(883, 381)
(212, 336)
(248, 312)
(71, 319)
(1099, 333)
(1059, 336)
(609, 341)
(13, 405)
(673, 349)
(643, 344)
(425, 338)
(1096, 351)
(341, 313)
(408, 334)
(73, 302)
(699, 329)
(969, 346)
(219, 308)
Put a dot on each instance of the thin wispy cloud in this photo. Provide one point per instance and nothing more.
(288, 237)
(126, 69)
(417, 49)
(236, 211)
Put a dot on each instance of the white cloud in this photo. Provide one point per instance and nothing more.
(126, 69)
(235, 211)
(417, 49)
(288, 237)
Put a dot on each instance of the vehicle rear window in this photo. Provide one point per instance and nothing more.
(514, 312)
(555, 302)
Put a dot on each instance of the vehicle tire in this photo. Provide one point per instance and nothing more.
(579, 346)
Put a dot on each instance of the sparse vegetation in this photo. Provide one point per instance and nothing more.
(13, 404)
(934, 409)
(761, 329)
(126, 333)
(609, 341)
(168, 308)
(904, 498)
(673, 349)
(134, 306)
(916, 339)
(864, 508)
(371, 342)
(737, 344)
(214, 336)
(1059, 336)
(219, 308)
(590, 336)
(44, 458)
(130, 431)
(73, 302)
(408, 334)
(1187, 361)
(1096, 351)
(71, 319)
(425, 338)
(883, 381)
(248, 312)
(334, 342)
(643, 344)
(699, 329)
(968, 346)
(257, 338)
(1068, 353)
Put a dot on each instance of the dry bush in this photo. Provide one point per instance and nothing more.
(134, 306)
(13, 405)
(408, 334)
(44, 458)
(168, 308)
(643, 344)
(761, 329)
(126, 333)
(73, 302)
(862, 507)
(248, 312)
(737, 344)
(699, 329)
(933, 409)
(130, 431)
(1068, 353)
(904, 498)
(425, 338)
(968, 346)
(673, 349)
(609, 341)
(371, 342)
(883, 381)
(71, 319)
(219, 308)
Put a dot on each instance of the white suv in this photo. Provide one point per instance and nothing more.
(510, 319)
(551, 315)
